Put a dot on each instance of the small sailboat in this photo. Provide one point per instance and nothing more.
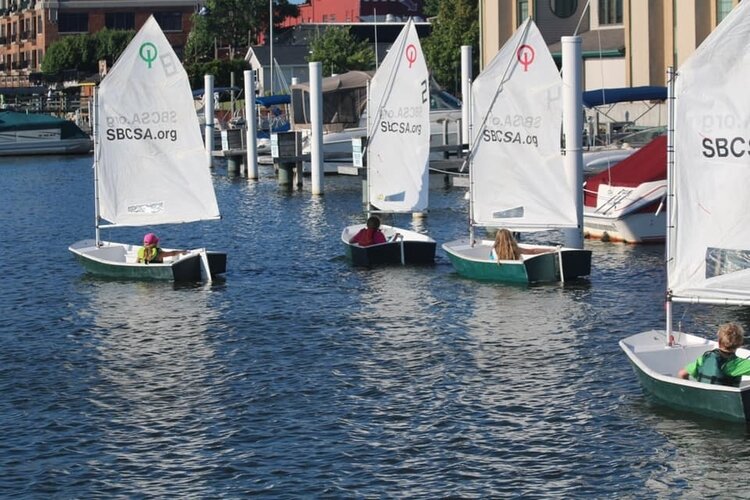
(708, 238)
(150, 166)
(517, 177)
(397, 154)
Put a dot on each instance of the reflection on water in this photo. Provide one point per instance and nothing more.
(300, 376)
(156, 388)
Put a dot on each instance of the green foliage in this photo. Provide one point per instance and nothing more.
(339, 51)
(457, 24)
(83, 52)
(221, 69)
(200, 43)
(431, 7)
(234, 24)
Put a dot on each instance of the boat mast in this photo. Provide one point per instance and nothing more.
(94, 125)
(671, 76)
(367, 153)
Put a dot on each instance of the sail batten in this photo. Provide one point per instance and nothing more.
(711, 239)
(516, 161)
(399, 137)
(151, 162)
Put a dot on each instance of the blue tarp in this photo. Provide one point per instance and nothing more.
(598, 97)
(273, 100)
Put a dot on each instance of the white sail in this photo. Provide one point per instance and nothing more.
(518, 177)
(151, 163)
(710, 242)
(399, 131)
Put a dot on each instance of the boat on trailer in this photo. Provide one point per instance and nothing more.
(397, 154)
(708, 238)
(516, 175)
(150, 166)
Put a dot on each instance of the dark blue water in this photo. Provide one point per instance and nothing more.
(299, 376)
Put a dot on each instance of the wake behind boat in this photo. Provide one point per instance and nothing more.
(150, 166)
(708, 238)
(397, 152)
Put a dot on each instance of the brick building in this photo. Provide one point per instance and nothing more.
(29, 27)
(354, 11)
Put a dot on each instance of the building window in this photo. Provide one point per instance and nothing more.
(72, 22)
(723, 8)
(169, 21)
(39, 25)
(610, 12)
(522, 7)
(120, 20)
(563, 8)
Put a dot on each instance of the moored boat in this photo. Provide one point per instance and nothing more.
(625, 203)
(38, 134)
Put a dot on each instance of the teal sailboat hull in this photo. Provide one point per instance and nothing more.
(473, 261)
(656, 366)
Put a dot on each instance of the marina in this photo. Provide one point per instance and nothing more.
(299, 375)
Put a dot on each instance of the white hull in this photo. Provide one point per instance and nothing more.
(34, 142)
(337, 146)
(631, 228)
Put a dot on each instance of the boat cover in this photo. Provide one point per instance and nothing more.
(599, 97)
(645, 165)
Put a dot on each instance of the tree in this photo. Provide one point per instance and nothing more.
(83, 52)
(339, 51)
(457, 24)
(233, 23)
(431, 7)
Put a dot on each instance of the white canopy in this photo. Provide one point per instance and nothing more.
(518, 176)
(399, 130)
(151, 163)
(710, 242)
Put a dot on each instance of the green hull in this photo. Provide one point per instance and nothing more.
(124, 271)
(656, 365)
(471, 262)
(514, 272)
(723, 405)
(109, 261)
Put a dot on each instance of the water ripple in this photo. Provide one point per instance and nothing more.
(299, 376)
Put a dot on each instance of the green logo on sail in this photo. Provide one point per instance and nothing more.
(148, 53)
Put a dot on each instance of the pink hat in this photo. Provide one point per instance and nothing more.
(150, 239)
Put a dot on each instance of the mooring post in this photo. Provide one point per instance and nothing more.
(208, 107)
(251, 126)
